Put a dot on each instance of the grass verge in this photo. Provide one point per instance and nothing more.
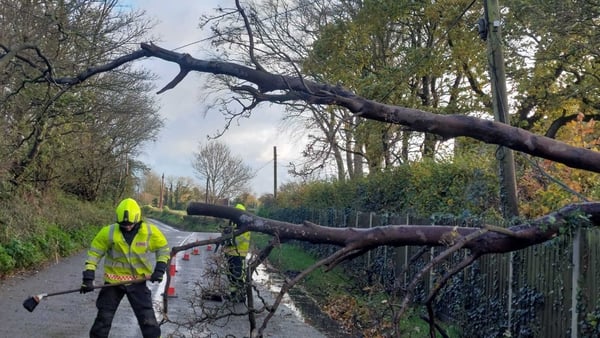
(34, 235)
(336, 294)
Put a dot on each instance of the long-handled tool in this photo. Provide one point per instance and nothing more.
(31, 302)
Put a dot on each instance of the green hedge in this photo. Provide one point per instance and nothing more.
(463, 186)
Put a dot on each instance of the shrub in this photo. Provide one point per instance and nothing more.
(7, 262)
(61, 241)
(24, 253)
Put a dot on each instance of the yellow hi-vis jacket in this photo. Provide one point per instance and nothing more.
(239, 246)
(123, 262)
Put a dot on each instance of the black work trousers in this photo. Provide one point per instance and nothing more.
(139, 297)
(236, 276)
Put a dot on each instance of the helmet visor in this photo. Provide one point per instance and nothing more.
(126, 225)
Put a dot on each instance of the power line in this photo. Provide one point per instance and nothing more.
(263, 166)
(193, 43)
(260, 19)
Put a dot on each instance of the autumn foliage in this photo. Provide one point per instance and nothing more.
(546, 185)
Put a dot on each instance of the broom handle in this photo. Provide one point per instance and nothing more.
(97, 287)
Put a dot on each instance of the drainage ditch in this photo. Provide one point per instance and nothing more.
(306, 306)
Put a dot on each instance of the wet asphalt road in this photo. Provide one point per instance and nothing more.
(71, 315)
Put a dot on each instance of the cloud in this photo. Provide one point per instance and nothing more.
(185, 124)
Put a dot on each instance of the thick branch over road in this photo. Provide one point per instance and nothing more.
(494, 241)
(280, 88)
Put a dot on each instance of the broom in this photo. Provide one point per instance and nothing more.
(31, 302)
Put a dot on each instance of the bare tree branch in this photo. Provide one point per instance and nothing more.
(461, 243)
(300, 89)
(440, 284)
(250, 35)
(182, 74)
(91, 71)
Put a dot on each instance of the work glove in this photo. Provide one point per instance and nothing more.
(159, 271)
(227, 232)
(88, 281)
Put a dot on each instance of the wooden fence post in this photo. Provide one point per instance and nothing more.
(510, 289)
(575, 274)
(406, 255)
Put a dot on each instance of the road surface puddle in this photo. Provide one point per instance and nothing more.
(299, 302)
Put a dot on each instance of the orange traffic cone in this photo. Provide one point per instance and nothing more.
(209, 247)
(196, 251)
(171, 289)
(186, 256)
(172, 268)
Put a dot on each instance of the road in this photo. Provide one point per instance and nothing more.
(71, 315)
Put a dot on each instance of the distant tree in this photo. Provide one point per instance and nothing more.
(224, 174)
(178, 191)
(185, 190)
(150, 185)
(266, 201)
(247, 199)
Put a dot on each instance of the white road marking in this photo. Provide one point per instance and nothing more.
(157, 295)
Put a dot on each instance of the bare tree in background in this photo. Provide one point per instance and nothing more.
(225, 174)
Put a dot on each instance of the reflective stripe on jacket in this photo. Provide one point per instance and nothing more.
(123, 262)
(241, 245)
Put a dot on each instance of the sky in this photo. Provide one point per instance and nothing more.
(183, 111)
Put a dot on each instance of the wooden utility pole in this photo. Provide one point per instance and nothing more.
(508, 185)
(206, 191)
(274, 173)
(162, 188)
(490, 30)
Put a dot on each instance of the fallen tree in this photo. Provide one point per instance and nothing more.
(353, 242)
